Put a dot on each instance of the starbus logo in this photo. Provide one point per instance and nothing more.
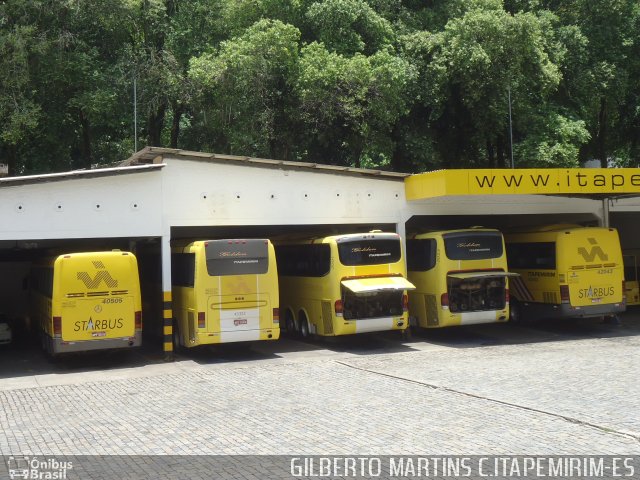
(596, 251)
(102, 276)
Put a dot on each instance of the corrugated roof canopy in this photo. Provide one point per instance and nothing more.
(157, 155)
(76, 174)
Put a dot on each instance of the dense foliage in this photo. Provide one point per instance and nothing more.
(408, 85)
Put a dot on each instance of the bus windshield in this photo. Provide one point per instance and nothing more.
(369, 251)
(472, 246)
(237, 257)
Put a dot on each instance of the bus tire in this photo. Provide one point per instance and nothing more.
(304, 326)
(515, 312)
(177, 346)
(406, 334)
(289, 323)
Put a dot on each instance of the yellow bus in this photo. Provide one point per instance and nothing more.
(460, 278)
(87, 301)
(343, 284)
(566, 271)
(631, 286)
(224, 291)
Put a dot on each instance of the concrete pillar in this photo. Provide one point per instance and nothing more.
(167, 307)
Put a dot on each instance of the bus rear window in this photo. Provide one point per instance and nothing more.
(473, 246)
(237, 257)
(369, 251)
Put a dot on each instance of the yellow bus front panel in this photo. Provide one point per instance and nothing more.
(567, 271)
(460, 278)
(344, 284)
(93, 301)
(229, 294)
(97, 318)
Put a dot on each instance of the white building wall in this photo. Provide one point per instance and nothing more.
(125, 205)
(206, 193)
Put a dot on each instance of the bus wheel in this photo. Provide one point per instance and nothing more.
(515, 312)
(304, 326)
(289, 324)
(406, 334)
(177, 347)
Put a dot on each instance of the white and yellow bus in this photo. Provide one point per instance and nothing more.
(87, 301)
(460, 278)
(343, 284)
(566, 271)
(631, 285)
(224, 291)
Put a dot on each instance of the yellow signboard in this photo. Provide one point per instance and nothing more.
(543, 181)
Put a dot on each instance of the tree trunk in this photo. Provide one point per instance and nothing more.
(501, 160)
(155, 125)
(86, 140)
(9, 154)
(601, 138)
(491, 158)
(178, 111)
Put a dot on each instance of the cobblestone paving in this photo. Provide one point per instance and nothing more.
(326, 406)
(592, 381)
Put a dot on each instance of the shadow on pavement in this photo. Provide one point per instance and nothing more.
(24, 358)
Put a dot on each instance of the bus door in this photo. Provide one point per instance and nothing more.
(241, 299)
(477, 291)
(374, 297)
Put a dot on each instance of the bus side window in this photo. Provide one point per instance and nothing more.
(630, 273)
(183, 269)
(532, 256)
(421, 254)
(304, 260)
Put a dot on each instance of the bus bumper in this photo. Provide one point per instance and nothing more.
(567, 311)
(369, 325)
(60, 346)
(205, 338)
(448, 319)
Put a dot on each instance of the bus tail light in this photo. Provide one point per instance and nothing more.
(138, 317)
(564, 294)
(201, 319)
(57, 325)
(506, 295)
(276, 315)
(444, 300)
(624, 296)
(339, 308)
(405, 303)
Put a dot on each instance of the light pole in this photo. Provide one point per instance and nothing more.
(510, 127)
(135, 114)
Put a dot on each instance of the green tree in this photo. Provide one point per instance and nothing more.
(467, 71)
(246, 89)
(19, 113)
(349, 26)
(348, 106)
